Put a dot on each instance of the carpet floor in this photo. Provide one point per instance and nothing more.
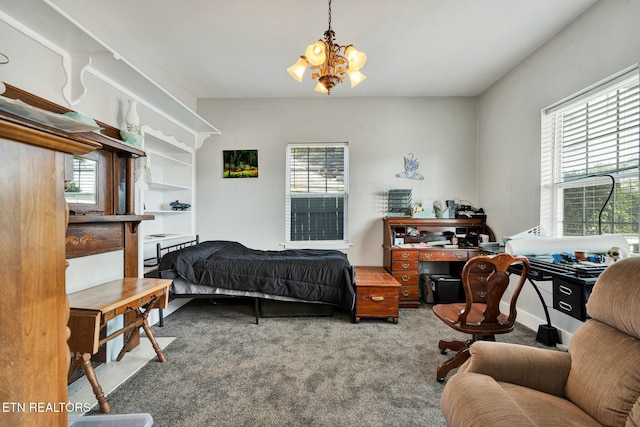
(223, 370)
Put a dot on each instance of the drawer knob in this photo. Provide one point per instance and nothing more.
(427, 255)
(459, 255)
(405, 265)
(482, 279)
(406, 293)
(482, 294)
(565, 290)
(377, 299)
(405, 278)
(482, 266)
(405, 255)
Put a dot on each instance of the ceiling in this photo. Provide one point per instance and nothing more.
(241, 48)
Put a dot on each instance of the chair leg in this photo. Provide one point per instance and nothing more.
(452, 363)
(454, 345)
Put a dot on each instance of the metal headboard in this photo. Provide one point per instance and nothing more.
(160, 251)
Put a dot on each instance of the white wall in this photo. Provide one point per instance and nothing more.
(603, 41)
(440, 132)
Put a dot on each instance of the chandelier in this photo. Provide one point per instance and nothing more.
(329, 61)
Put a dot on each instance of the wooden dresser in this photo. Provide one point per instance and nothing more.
(34, 356)
(403, 260)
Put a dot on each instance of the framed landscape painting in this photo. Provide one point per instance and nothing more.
(240, 163)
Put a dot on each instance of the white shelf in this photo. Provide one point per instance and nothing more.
(57, 30)
(166, 160)
(165, 212)
(173, 178)
(167, 186)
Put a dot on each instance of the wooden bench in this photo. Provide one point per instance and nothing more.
(377, 294)
(92, 308)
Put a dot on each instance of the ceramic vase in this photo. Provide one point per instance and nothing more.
(132, 118)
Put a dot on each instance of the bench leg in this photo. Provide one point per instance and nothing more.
(152, 339)
(85, 361)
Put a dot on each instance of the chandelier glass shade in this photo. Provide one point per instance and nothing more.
(329, 61)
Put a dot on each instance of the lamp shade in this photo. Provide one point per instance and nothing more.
(320, 88)
(356, 77)
(297, 70)
(316, 53)
(355, 58)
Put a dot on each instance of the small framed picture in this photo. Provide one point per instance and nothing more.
(240, 163)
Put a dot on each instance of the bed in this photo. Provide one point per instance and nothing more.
(225, 268)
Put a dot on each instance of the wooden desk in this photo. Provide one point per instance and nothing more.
(404, 262)
(91, 309)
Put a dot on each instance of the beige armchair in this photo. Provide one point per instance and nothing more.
(597, 382)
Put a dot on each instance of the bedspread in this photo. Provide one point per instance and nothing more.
(309, 274)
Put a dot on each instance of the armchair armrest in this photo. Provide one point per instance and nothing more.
(536, 368)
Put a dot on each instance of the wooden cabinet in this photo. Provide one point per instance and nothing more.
(34, 356)
(405, 248)
(172, 170)
(376, 294)
(570, 296)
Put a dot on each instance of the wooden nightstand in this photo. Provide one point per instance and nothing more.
(377, 294)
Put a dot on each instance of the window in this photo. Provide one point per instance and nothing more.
(317, 193)
(590, 157)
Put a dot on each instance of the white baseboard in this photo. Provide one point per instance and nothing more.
(533, 322)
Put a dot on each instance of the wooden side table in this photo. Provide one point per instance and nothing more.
(91, 309)
(377, 294)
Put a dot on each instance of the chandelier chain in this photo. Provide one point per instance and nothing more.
(329, 14)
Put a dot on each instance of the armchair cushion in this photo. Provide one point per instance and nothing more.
(604, 379)
(500, 404)
(459, 410)
(536, 368)
(616, 302)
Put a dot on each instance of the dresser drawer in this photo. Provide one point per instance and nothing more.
(571, 298)
(399, 266)
(478, 274)
(373, 301)
(407, 278)
(482, 267)
(571, 308)
(398, 255)
(409, 293)
(478, 284)
(443, 255)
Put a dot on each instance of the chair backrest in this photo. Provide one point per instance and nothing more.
(485, 280)
(615, 299)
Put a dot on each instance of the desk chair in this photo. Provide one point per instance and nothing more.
(485, 281)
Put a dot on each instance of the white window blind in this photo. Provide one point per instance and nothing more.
(590, 145)
(317, 193)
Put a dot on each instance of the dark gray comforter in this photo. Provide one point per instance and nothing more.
(308, 274)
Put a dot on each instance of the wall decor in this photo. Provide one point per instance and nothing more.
(410, 169)
(240, 163)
